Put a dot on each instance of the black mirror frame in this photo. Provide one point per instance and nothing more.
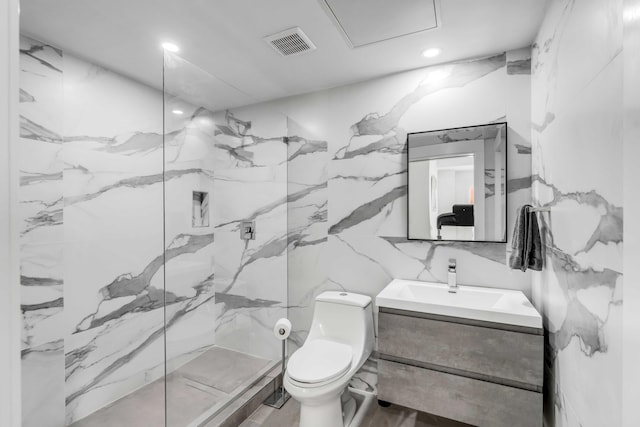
(506, 183)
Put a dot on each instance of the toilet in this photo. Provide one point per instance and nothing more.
(339, 342)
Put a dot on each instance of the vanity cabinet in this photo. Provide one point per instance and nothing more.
(477, 372)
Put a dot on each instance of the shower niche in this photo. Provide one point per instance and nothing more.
(200, 209)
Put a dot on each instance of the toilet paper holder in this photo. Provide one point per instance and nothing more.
(280, 396)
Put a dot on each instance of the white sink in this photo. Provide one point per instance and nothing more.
(470, 302)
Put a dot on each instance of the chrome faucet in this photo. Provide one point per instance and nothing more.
(453, 286)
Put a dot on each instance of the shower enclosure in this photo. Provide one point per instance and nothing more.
(145, 301)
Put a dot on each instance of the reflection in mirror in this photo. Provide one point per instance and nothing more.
(457, 184)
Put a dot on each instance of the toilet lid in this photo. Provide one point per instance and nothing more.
(319, 360)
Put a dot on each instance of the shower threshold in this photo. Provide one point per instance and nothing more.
(195, 393)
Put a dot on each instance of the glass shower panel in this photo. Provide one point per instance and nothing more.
(225, 285)
(188, 233)
(91, 164)
(113, 249)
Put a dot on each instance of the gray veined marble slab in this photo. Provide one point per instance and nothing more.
(450, 76)
(42, 380)
(307, 212)
(257, 142)
(250, 176)
(577, 93)
(41, 233)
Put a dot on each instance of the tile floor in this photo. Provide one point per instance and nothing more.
(393, 416)
(200, 388)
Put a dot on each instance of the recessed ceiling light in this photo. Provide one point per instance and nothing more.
(177, 112)
(431, 53)
(170, 47)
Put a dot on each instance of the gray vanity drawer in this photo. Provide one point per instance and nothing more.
(506, 357)
(468, 400)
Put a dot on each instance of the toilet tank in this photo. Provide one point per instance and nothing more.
(344, 317)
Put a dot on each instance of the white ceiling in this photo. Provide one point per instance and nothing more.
(369, 21)
(224, 38)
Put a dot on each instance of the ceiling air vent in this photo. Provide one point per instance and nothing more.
(290, 42)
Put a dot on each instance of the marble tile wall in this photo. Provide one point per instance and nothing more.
(347, 180)
(93, 277)
(307, 212)
(367, 170)
(113, 236)
(631, 151)
(189, 297)
(367, 245)
(189, 267)
(41, 235)
(250, 184)
(577, 92)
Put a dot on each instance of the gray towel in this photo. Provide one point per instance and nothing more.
(526, 242)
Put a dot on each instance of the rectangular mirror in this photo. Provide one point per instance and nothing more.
(458, 184)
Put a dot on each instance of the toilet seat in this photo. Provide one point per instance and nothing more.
(319, 361)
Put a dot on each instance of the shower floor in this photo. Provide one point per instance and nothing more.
(196, 392)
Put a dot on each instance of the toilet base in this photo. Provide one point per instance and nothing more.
(326, 415)
(349, 407)
(331, 413)
(364, 402)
